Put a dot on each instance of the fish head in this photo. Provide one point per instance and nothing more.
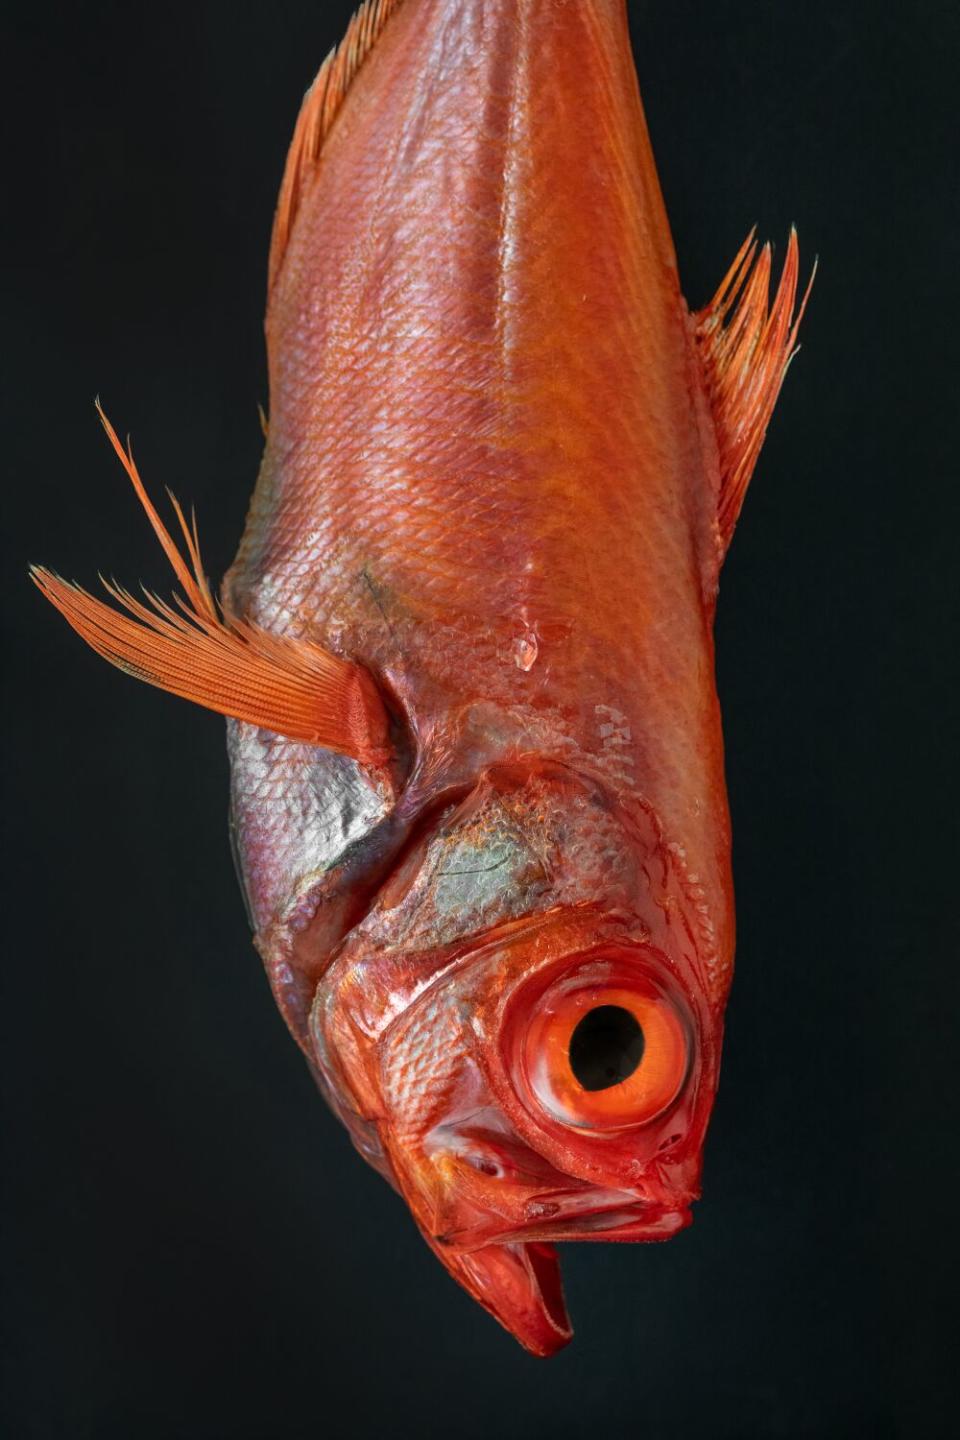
(518, 1036)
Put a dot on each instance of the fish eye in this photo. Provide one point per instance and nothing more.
(602, 1057)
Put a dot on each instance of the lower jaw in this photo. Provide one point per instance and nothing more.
(517, 1276)
(520, 1285)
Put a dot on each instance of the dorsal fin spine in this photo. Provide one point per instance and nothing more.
(319, 110)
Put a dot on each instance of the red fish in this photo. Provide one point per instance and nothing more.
(466, 645)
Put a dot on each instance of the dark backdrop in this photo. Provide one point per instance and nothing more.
(192, 1249)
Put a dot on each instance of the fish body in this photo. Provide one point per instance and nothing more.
(492, 885)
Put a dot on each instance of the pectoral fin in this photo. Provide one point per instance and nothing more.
(746, 345)
(202, 653)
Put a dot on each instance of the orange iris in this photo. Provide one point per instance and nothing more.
(604, 1057)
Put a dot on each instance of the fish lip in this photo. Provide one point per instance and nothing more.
(626, 1225)
(624, 1217)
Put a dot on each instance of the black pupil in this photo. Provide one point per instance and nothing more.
(606, 1047)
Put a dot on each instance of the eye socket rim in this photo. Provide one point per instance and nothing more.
(640, 1099)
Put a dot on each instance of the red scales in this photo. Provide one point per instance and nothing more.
(466, 645)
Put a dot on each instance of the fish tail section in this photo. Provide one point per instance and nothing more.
(745, 346)
(198, 650)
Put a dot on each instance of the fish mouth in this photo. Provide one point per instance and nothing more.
(516, 1275)
(578, 1215)
(627, 1223)
(514, 1272)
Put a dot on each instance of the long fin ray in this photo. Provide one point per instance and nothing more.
(230, 665)
(746, 345)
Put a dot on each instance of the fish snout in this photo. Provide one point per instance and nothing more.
(481, 1187)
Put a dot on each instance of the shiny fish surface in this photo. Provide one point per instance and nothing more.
(466, 646)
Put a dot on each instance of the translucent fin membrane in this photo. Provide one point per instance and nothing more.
(226, 664)
(746, 346)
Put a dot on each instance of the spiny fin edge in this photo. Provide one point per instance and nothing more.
(320, 108)
(745, 346)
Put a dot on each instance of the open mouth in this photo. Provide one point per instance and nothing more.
(516, 1276)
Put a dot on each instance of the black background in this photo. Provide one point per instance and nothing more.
(192, 1249)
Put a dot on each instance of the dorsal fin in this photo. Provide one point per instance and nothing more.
(321, 105)
(205, 654)
(745, 347)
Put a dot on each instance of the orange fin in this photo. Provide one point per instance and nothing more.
(745, 347)
(202, 653)
(321, 105)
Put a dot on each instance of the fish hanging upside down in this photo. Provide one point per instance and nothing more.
(466, 645)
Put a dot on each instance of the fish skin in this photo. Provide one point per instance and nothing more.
(487, 431)
(485, 413)
(466, 646)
